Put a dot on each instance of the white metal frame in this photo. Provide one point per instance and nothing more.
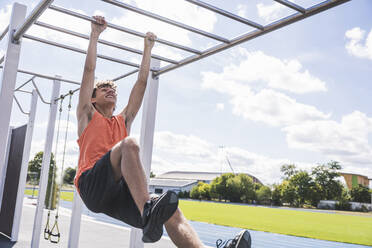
(45, 165)
(23, 173)
(148, 119)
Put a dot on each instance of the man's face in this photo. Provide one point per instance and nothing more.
(105, 95)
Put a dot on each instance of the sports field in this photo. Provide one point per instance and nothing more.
(335, 227)
(327, 226)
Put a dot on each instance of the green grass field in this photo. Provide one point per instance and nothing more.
(336, 227)
(65, 196)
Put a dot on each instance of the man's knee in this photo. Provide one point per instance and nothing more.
(129, 144)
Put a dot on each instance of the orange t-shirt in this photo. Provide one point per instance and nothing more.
(98, 137)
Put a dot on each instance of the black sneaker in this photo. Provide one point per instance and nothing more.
(242, 240)
(155, 213)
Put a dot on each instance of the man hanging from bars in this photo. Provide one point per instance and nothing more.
(110, 177)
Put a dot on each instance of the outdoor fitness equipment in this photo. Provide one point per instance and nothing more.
(51, 233)
(17, 29)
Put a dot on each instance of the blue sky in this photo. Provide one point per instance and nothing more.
(299, 95)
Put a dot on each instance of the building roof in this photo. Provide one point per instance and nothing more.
(196, 175)
(171, 182)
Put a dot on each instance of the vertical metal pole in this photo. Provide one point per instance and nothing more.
(23, 173)
(45, 165)
(73, 238)
(147, 137)
(8, 82)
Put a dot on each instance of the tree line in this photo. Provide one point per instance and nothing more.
(297, 188)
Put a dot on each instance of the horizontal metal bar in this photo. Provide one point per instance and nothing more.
(4, 32)
(38, 92)
(37, 11)
(123, 29)
(256, 33)
(45, 76)
(166, 20)
(23, 91)
(79, 50)
(292, 5)
(108, 43)
(125, 75)
(226, 13)
(71, 92)
(19, 105)
(25, 83)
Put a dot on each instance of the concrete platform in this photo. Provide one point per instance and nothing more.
(92, 233)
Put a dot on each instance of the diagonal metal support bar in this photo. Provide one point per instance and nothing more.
(45, 76)
(19, 105)
(38, 92)
(125, 75)
(166, 20)
(225, 13)
(2, 59)
(123, 29)
(79, 50)
(108, 43)
(254, 34)
(32, 78)
(4, 32)
(37, 11)
(292, 5)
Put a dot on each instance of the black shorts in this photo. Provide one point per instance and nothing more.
(101, 194)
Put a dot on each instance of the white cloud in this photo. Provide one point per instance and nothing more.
(253, 102)
(220, 106)
(65, 21)
(190, 15)
(345, 141)
(355, 44)
(242, 10)
(72, 128)
(5, 16)
(270, 12)
(259, 68)
(187, 152)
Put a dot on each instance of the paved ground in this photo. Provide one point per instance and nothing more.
(98, 230)
(93, 233)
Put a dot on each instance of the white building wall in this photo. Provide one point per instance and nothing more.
(175, 189)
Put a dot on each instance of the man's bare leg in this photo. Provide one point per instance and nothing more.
(126, 162)
(181, 233)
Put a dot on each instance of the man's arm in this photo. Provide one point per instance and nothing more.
(84, 108)
(136, 95)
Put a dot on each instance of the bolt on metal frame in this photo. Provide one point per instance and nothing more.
(148, 123)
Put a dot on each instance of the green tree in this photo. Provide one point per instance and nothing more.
(152, 174)
(247, 188)
(288, 193)
(194, 193)
(302, 183)
(34, 166)
(219, 186)
(233, 189)
(288, 170)
(277, 195)
(69, 175)
(326, 176)
(205, 191)
(264, 195)
(360, 193)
